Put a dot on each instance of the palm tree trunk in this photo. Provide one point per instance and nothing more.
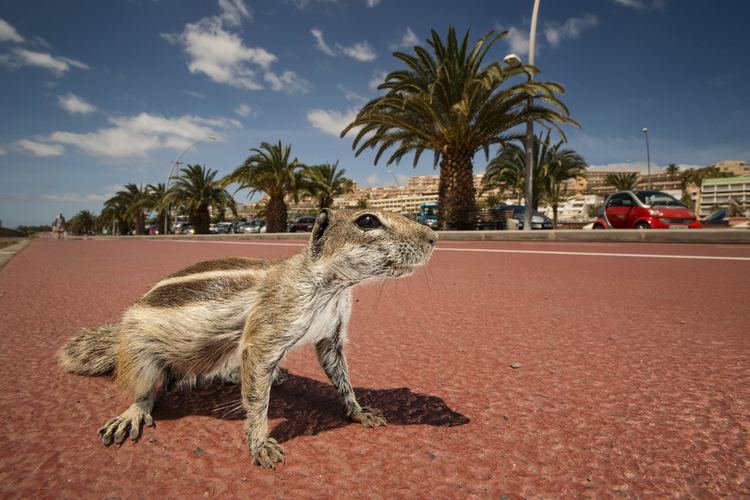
(276, 214)
(160, 219)
(554, 213)
(140, 223)
(201, 219)
(456, 204)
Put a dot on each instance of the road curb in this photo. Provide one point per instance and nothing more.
(714, 236)
(8, 253)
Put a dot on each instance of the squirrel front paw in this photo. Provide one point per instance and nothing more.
(116, 428)
(369, 417)
(268, 453)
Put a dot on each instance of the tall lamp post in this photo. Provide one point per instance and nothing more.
(648, 156)
(171, 169)
(514, 61)
(527, 213)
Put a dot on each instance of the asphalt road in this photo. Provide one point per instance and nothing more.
(634, 379)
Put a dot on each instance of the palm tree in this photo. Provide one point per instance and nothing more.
(622, 181)
(363, 203)
(156, 199)
(559, 166)
(130, 204)
(81, 223)
(197, 190)
(326, 182)
(672, 170)
(552, 167)
(506, 171)
(115, 212)
(448, 103)
(491, 200)
(270, 170)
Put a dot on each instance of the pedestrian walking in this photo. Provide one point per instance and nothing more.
(58, 226)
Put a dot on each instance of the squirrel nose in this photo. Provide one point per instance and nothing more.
(432, 237)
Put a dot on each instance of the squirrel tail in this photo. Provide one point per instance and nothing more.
(91, 352)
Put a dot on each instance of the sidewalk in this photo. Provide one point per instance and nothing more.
(7, 253)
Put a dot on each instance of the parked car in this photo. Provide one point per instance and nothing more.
(517, 212)
(152, 229)
(716, 218)
(252, 227)
(187, 229)
(645, 209)
(221, 228)
(236, 226)
(302, 224)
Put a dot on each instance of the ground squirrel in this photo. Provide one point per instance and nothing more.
(237, 317)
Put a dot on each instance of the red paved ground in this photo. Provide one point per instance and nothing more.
(634, 380)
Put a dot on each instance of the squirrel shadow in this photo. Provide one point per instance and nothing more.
(308, 406)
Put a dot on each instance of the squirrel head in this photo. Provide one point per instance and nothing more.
(355, 245)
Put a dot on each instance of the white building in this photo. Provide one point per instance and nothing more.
(575, 208)
(719, 192)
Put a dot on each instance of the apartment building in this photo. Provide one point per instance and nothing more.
(735, 167)
(595, 182)
(722, 191)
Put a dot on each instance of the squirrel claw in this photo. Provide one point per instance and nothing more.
(115, 429)
(268, 453)
(369, 417)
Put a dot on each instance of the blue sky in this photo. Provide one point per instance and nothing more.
(98, 94)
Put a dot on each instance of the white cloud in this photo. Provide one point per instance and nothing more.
(377, 78)
(288, 82)
(58, 65)
(233, 11)
(642, 4)
(407, 41)
(361, 51)
(518, 41)
(373, 180)
(331, 122)
(222, 55)
(3, 152)
(569, 30)
(40, 148)
(243, 110)
(372, 3)
(8, 33)
(350, 95)
(137, 135)
(301, 4)
(75, 105)
(322, 45)
(195, 94)
(76, 197)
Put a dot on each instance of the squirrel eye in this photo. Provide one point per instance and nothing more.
(368, 222)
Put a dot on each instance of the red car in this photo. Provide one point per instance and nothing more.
(645, 210)
(302, 224)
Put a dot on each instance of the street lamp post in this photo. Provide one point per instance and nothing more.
(514, 61)
(171, 169)
(648, 156)
(530, 130)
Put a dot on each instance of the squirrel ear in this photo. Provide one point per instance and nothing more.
(317, 238)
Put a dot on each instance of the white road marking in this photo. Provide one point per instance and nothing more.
(595, 254)
(497, 250)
